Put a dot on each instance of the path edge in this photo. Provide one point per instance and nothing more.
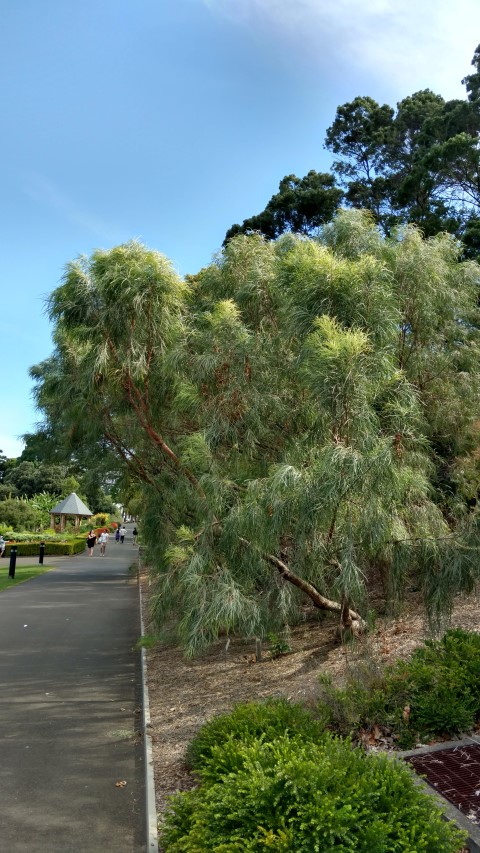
(151, 809)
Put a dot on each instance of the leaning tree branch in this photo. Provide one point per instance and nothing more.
(348, 616)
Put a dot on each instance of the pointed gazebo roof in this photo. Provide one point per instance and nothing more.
(71, 506)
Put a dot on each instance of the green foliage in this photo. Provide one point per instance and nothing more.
(433, 694)
(148, 641)
(418, 163)
(7, 490)
(278, 645)
(48, 535)
(248, 721)
(287, 422)
(17, 514)
(43, 503)
(31, 478)
(301, 205)
(29, 549)
(296, 796)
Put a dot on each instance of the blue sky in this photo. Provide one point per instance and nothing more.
(168, 120)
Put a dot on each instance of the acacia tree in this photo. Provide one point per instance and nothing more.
(280, 415)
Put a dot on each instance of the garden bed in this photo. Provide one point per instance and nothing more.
(186, 693)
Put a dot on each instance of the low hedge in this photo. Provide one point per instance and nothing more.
(294, 795)
(32, 549)
(247, 721)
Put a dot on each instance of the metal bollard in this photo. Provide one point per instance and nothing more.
(42, 551)
(13, 561)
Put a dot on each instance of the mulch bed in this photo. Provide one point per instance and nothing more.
(185, 693)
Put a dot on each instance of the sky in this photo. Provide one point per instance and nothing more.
(169, 120)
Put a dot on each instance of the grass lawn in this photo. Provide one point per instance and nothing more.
(22, 573)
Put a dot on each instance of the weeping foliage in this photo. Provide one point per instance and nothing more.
(285, 417)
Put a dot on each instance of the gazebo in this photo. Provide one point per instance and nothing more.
(69, 506)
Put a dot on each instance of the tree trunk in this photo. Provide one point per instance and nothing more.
(350, 619)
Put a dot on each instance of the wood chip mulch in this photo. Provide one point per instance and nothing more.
(183, 693)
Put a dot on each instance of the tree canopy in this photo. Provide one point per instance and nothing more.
(301, 205)
(297, 420)
(418, 163)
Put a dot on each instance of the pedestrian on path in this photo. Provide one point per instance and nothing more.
(123, 531)
(91, 539)
(117, 534)
(103, 539)
(135, 535)
(3, 545)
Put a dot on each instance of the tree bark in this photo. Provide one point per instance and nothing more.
(350, 619)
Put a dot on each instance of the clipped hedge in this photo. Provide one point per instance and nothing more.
(32, 549)
(295, 796)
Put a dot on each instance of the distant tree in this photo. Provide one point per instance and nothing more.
(360, 135)
(44, 445)
(30, 478)
(8, 490)
(18, 515)
(96, 498)
(472, 81)
(3, 465)
(302, 205)
(418, 164)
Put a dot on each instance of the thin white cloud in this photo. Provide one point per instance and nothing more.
(409, 44)
(42, 190)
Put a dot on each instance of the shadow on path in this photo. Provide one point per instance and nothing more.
(70, 709)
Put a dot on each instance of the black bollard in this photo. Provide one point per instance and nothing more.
(13, 561)
(42, 551)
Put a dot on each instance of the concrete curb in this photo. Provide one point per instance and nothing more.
(151, 810)
(450, 811)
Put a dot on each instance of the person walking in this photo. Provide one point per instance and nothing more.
(135, 535)
(3, 545)
(103, 540)
(117, 534)
(91, 539)
(123, 531)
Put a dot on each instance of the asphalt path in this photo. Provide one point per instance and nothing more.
(70, 709)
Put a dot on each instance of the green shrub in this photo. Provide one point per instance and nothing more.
(17, 514)
(435, 693)
(278, 645)
(32, 549)
(294, 796)
(268, 720)
(43, 536)
(358, 706)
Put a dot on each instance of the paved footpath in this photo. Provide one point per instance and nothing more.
(69, 709)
